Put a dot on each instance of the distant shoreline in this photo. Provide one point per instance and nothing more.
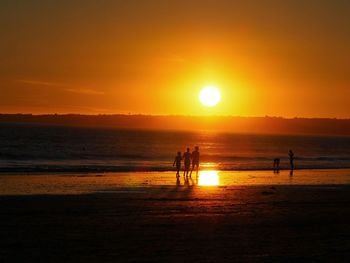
(254, 125)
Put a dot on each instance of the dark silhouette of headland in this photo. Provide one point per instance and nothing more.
(265, 125)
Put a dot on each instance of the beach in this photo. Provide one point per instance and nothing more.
(251, 216)
(174, 131)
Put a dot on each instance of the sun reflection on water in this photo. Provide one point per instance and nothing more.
(209, 165)
(208, 178)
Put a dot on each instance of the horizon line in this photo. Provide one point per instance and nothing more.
(170, 115)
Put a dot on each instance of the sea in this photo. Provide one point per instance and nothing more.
(26, 148)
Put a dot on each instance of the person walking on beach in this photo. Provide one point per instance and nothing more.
(187, 161)
(195, 160)
(291, 159)
(177, 161)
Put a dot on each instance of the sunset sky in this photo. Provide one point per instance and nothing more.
(279, 58)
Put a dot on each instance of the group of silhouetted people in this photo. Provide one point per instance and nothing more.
(191, 162)
(188, 159)
(276, 162)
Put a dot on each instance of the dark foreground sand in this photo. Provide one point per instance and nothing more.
(180, 224)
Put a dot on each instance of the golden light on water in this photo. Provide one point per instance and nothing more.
(208, 178)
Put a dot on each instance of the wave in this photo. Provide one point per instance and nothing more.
(43, 149)
(153, 157)
(148, 168)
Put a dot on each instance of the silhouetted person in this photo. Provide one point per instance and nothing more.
(177, 161)
(291, 159)
(187, 161)
(195, 160)
(276, 164)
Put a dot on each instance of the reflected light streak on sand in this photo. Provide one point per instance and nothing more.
(208, 178)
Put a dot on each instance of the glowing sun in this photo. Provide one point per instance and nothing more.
(209, 96)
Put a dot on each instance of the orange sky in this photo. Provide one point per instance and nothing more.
(280, 58)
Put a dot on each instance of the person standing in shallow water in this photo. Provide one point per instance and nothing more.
(177, 161)
(195, 160)
(291, 159)
(276, 165)
(187, 161)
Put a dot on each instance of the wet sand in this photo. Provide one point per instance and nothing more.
(177, 223)
(68, 184)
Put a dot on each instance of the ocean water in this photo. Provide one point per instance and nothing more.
(35, 148)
